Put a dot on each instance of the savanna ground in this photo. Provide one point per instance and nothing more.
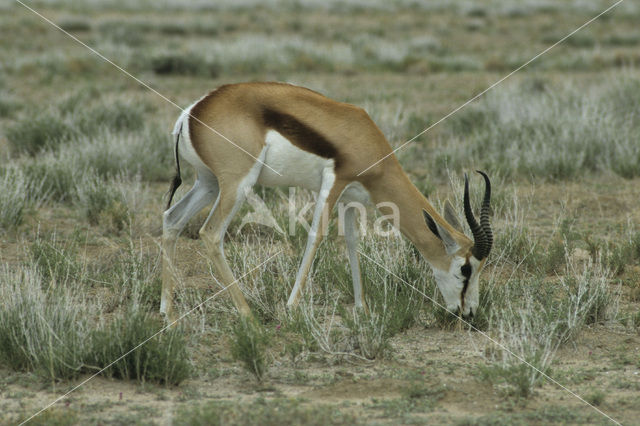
(87, 157)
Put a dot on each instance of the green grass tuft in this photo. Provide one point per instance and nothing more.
(161, 359)
(249, 345)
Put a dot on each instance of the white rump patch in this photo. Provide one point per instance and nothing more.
(185, 147)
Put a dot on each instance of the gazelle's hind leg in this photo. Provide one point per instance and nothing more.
(232, 195)
(204, 191)
(329, 193)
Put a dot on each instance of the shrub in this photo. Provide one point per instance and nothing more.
(126, 155)
(368, 331)
(148, 356)
(524, 333)
(56, 262)
(269, 292)
(50, 328)
(102, 203)
(20, 193)
(128, 33)
(8, 106)
(396, 293)
(249, 345)
(117, 116)
(516, 244)
(38, 131)
(133, 275)
(623, 39)
(514, 377)
(585, 299)
(595, 397)
(43, 329)
(299, 336)
(72, 24)
(618, 256)
(532, 317)
(58, 176)
(54, 416)
(106, 155)
(551, 134)
(181, 64)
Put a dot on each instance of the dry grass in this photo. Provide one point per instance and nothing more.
(90, 166)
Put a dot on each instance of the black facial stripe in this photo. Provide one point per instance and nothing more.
(465, 270)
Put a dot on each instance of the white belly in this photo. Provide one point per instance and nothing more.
(296, 166)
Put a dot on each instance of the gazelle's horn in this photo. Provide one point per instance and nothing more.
(482, 236)
(484, 215)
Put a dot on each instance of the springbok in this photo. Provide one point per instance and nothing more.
(278, 134)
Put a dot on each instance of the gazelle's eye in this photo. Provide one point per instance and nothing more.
(465, 270)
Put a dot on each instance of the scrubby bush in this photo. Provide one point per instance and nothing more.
(56, 261)
(102, 203)
(59, 177)
(109, 154)
(20, 193)
(38, 131)
(132, 348)
(43, 328)
(117, 116)
(73, 23)
(535, 316)
(547, 134)
(181, 64)
(48, 326)
(249, 345)
(8, 106)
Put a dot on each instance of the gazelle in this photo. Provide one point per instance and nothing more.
(280, 134)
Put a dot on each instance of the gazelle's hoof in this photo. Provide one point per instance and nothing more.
(364, 308)
(169, 318)
(245, 312)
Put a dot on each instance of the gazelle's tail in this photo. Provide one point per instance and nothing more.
(177, 180)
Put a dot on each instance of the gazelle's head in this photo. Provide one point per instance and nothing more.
(457, 274)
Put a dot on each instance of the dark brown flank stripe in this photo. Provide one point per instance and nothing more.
(300, 134)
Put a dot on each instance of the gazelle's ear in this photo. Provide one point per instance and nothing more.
(451, 216)
(450, 245)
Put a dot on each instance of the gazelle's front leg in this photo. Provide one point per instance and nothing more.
(329, 192)
(351, 237)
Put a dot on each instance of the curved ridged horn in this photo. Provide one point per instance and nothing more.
(476, 230)
(484, 215)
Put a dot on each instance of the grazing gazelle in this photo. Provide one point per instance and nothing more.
(279, 134)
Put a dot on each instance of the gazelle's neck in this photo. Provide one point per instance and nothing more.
(393, 186)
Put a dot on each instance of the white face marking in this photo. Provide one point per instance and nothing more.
(297, 167)
(451, 283)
